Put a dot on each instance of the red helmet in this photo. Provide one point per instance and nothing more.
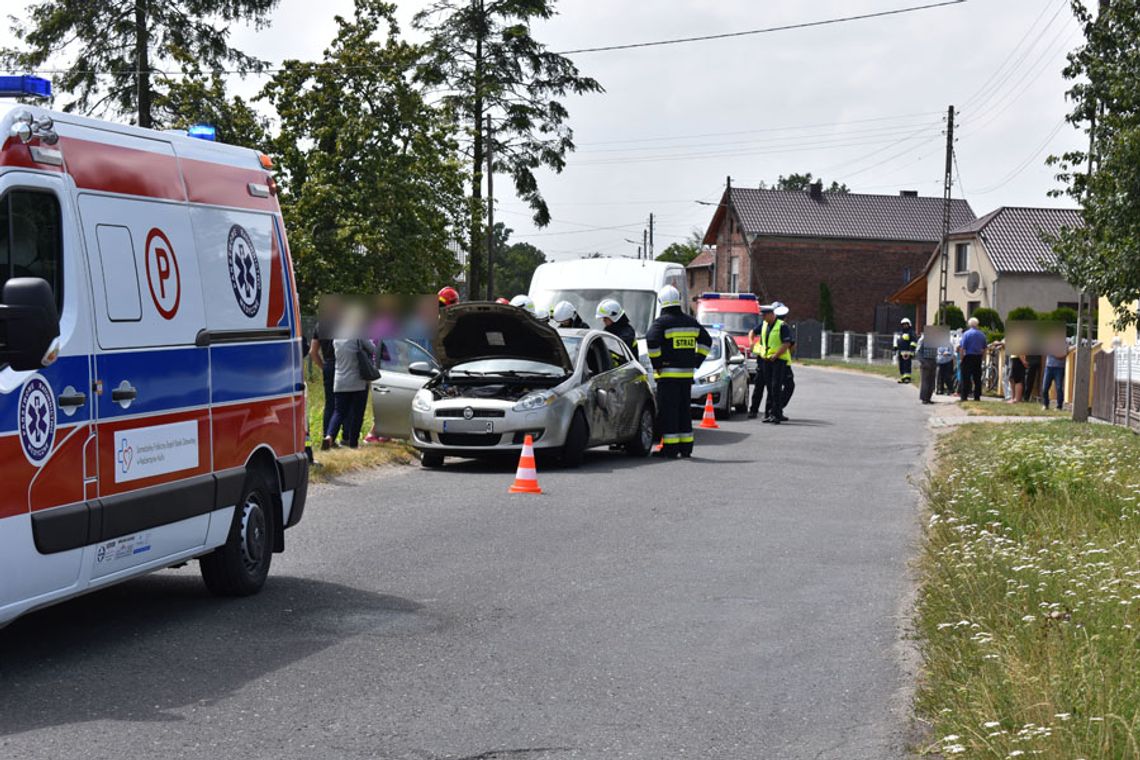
(503, 301)
(448, 296)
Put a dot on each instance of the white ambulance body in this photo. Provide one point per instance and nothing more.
(165, 421)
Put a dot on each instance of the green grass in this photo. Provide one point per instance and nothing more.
(336, 462)
(1029, 611)
(881, 369)
(1001, 409)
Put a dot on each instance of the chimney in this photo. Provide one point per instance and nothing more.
(816, 191)
(908, 193)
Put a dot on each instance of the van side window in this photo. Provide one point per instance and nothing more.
(31, 239)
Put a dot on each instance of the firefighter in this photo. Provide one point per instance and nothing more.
(905, 347)
(677, 345)
(525, 303)
(448, 296)
(565, 315)
(617, 323)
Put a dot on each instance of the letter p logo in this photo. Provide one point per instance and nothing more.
(162, 275)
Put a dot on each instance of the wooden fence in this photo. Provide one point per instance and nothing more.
(1116, 387)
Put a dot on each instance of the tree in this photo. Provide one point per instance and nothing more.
(514, 263)
(680, 253)
(201, 99)
(482, 55)
(951, 316)
(803, 183)
(117, 48)
(826, 307)
(373, 191)
(1103, 256)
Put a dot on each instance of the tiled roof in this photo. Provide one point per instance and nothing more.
(1012, 236)
(703, 259)
(782, 213)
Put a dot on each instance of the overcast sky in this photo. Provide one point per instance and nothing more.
(861, 102)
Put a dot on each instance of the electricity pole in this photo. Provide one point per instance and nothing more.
(645, 242)
(947, 188)
(651, 249)
(490, 213)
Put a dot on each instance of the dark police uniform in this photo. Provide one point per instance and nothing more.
(677, 345)
(623, 329)
(905, 346)
(775, 369)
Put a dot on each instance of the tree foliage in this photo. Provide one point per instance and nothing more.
(117, 49)
(803, 183)
(826, 307)
(482, 55)
(1022, 314)
(680, 253)
(514, 263)
(1103, 256)
(951, 316)
(989, 319)
(200, 98)
(373, 188)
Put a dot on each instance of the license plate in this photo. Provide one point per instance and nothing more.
(468, 426)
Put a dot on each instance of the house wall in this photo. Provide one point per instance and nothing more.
(861, 274)
(1106, 332)
(731, 245)
(956, 293)
(1041, 292)
(700, 280)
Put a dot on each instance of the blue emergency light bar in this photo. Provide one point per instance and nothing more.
(728, 296)
(24, 86)
(203, 132)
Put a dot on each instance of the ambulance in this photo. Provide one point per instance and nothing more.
(152, 409)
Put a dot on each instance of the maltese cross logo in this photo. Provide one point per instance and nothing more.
(245, 271)
(37, 419)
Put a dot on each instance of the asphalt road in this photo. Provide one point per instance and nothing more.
(743, 604)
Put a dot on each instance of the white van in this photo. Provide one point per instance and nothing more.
(151, 397)
(587, 282)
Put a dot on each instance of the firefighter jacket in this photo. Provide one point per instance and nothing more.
(677, 344)
(623, 329)
(907, 342)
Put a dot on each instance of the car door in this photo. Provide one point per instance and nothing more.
(600, 401)
(627, 388)
(392, 394)
(738, 375)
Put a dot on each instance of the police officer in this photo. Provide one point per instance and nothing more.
(781, 311)
(905, 346)
(565, 315)
(677, 345)
(617, 323)
(774, 360)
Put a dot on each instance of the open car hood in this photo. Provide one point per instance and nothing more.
(471, 331)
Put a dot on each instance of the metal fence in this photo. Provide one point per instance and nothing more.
(873, 348)
(1123, 367)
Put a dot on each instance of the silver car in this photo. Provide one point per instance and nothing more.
(392, 394)
(504, 374)
(724, 375)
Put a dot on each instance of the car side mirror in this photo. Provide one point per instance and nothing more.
(422, 369)
(29, 324)
(736, 360)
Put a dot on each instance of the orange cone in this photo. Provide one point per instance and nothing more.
(526, 477)
(659, 447)
(709, 420)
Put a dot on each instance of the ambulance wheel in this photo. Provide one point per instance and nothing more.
(574, 449)
(641, 445)
(431, 460)
(240, 565)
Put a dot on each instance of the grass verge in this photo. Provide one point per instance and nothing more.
(335, 462)
(1029, 612)
(1001, 409)
(882, 370)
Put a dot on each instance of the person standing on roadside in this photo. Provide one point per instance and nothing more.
(781, 311)
(1054, 373)
(928, 370)
(775, 358)
(971, 350)
(677, 344)
(904, 347)
(324, 355)
(617, 323)
(350, 386)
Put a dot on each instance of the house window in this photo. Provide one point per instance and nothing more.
(961, 258)
(971, 307)
(906, 274)
(1067, 305)
(734, 275)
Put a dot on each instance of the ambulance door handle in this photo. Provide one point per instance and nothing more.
(124, 393)
(73, 399)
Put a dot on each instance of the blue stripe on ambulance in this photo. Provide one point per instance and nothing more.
(65, 371)
(272, 373)
(166, 381)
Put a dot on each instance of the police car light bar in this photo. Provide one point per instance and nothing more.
(24, 86)
(203, 132)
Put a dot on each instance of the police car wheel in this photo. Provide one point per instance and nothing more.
(574, 448)
(641, 445)
(240, 566)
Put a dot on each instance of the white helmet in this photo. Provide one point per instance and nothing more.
(563, 311)
(779, 309)
(904, 321)
(611, 309)
(668, 296)
(525, 302)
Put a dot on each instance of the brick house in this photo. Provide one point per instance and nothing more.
(782, 245)
(699, 271)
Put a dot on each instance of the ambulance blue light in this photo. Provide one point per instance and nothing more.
(24, 86)
(203, 132)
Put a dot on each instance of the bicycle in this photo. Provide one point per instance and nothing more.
(990, 371)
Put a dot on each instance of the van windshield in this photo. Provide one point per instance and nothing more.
(639, 305)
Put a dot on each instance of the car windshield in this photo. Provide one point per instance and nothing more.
(639, 305)
(732, 322)
(506, 368)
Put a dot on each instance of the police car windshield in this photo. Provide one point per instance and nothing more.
(734, 323)
(639, 305)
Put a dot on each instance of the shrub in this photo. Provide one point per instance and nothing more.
(1066, 316)
(951, 316)
(989, 318)
(1022, 314)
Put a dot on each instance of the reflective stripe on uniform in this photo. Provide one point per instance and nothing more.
(703, 350)
(676, 374)
(669, 440)
(686, 438)
(682, 332)
(654, 352)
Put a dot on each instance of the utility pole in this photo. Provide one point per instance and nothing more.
(645, 242)
(651, 248)
(947, 189)
(490, 213)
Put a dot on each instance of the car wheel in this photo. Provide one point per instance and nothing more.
(577, 437)
(641, 445)
(431, 460)
(240, 566)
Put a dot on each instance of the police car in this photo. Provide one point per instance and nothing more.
(151, 396)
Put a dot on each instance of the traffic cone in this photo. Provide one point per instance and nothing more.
(526, 477)
(709, 420)
(660, 446)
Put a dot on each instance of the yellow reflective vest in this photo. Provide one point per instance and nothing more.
(770, 341)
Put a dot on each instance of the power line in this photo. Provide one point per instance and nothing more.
(1019, 169)
(767, 30)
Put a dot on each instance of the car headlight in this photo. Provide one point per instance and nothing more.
(421, 402)
(709, 378)
(536, 400)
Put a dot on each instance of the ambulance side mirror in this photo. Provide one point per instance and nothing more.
(29, 323)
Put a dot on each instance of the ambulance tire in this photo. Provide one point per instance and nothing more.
(240, 566)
